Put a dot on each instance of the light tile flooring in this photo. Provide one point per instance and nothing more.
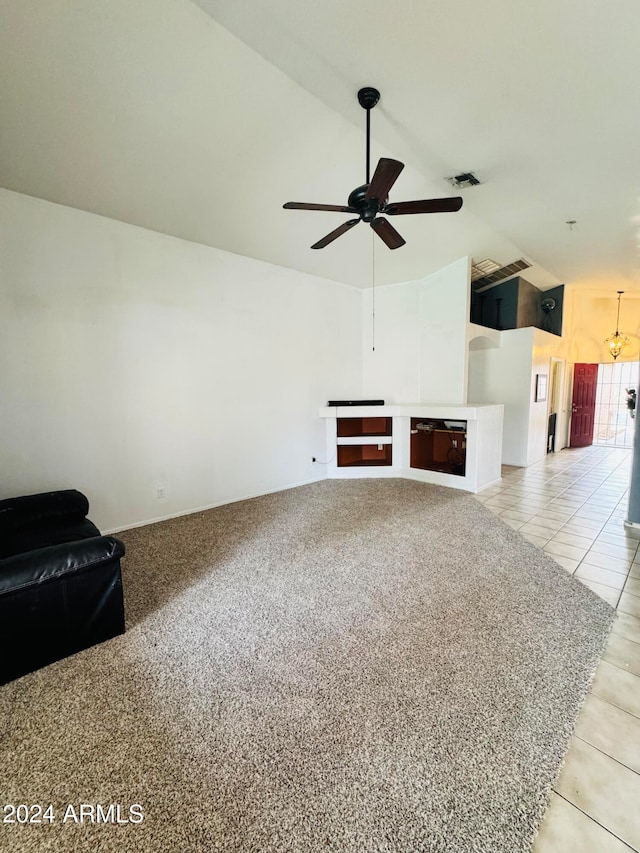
(572, 505)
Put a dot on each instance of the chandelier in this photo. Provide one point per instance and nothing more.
(617, 342)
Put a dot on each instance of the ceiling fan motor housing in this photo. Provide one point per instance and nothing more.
(367, 208)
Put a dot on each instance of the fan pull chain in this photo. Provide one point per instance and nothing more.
(373, 293)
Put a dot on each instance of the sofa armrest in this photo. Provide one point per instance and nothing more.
(44, 508)
(45, 564)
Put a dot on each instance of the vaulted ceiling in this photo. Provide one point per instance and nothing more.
(200, 119)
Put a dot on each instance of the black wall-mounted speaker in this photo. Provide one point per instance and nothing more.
(355, 403)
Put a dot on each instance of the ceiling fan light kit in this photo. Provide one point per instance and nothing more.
(372, 198)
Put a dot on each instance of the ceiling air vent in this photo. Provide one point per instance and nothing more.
(488, 272)
(464, 179)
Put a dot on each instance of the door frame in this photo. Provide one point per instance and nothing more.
(568, 400)
(561, 438)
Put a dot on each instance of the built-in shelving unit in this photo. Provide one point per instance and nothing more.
(451, 445)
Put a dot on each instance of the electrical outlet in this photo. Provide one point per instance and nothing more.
(160, 493)
(454, 442)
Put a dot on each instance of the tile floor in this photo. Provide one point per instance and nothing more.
(572, 505)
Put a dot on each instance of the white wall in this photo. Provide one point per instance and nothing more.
(503, 375)
(420, 338)
(593, 319)
(133, 361)
(507, 374)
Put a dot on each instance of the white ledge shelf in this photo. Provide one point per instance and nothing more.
(364, 439)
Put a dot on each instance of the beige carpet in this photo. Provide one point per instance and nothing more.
(350, 666)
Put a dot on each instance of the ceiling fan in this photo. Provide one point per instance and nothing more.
(372, 198)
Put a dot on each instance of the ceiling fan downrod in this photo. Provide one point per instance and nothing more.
(368, 97)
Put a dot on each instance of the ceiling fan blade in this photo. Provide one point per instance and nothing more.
(385, 230)
(384, 178)
(425, 205)
(301, 205)
(339, 231)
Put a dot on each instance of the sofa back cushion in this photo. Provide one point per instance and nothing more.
(49, 518)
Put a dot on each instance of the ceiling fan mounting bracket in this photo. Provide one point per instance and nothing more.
(368, 97)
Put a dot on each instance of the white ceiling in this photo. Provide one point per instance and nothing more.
(200, 119)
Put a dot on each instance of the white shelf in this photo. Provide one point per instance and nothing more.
(438, 411)
(365, 439)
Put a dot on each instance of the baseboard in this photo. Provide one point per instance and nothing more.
(209, 506)
(632, 528)
(489, 484)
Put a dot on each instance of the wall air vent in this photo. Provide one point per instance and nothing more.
(488, 272)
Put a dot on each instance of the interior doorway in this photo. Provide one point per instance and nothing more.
(555, 414)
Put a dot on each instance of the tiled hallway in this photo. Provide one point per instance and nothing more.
(573, 505)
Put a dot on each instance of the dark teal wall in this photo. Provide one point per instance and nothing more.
(515, 304)
(497, 307)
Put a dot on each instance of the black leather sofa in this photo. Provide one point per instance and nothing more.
(60, 581)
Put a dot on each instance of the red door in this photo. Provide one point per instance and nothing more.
(583, 406)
